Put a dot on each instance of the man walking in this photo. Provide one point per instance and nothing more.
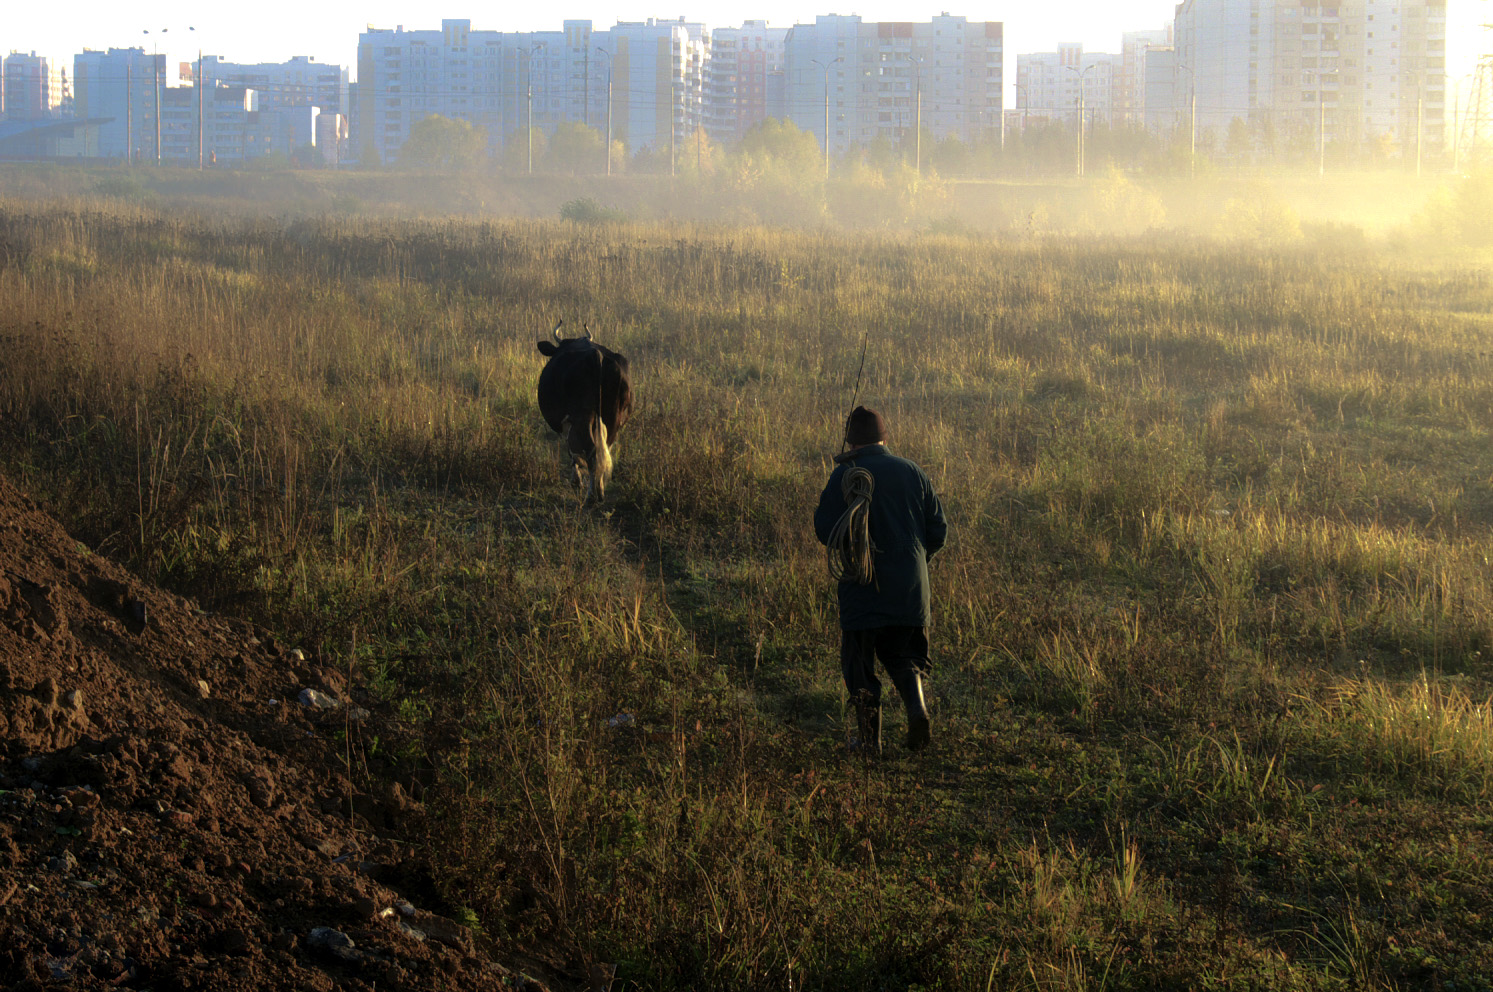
(887, 522)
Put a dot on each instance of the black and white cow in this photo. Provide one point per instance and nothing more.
(584, 395)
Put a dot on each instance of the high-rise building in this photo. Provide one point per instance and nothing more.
(496, 81)
(36, 87)
(1056, 85)
(874, 80)
(1367, 75)
(1159, 97)
(1128, 100)
(741, 79)
(657, 69)
(643, 80)
(119, 85)
(299, 82)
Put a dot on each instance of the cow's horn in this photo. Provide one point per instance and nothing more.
(587, 328)
(556, 331)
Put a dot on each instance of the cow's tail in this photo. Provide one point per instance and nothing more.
(601, 457)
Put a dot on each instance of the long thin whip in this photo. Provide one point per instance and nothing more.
(855, 395)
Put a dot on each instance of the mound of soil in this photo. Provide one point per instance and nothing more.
(175, 811)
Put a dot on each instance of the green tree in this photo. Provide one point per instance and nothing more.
(1240, 142)
(368, 157)
(442, 144)
(575, 149)
(516, 151)
(951, 157)
(775, 143)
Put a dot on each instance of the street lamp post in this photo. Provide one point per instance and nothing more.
(1420, 99)
(529, 93)
(200, 109)
(825, 66)
(917, 121)
(129, 111)
(155, 72)
(1192, 120)
(1322, 123)
(1456, 126)
(609, 107)
(155, 65)
(1079, 140)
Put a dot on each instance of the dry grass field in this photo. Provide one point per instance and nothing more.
(1212, 633)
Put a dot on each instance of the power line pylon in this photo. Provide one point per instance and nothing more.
(1475, 143)
(1475, 135)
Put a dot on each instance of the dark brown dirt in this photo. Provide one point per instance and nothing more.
(172, 816)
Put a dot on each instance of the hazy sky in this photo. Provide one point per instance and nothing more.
(274, 30)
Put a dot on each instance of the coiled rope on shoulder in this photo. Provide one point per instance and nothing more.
(848, 552)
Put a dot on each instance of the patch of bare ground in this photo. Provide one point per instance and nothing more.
(175, 812)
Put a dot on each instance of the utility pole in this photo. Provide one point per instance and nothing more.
(917, 123)
(199, 109)
(1192, 132)
(1457, 128)
(530, 92)
(1321, 132)
(609, 107)
(1420, 100)
(1322, 123)
(129, 111)
(917, 120)
(825, 66)
(155, 70)
(156, 64)
(1079, 142)
(1079, 137)
(1192, 118)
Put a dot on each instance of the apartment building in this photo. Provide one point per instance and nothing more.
(644, 80)
(299, 82)
(1056, 85)
(120, 86)
(292, 97)
(1369, 75)
(219, 123)
(35, 87)
(874, 80)
(1128, 99)
(743, 79)
(657, 68)
(1161, 109)
(498, 81)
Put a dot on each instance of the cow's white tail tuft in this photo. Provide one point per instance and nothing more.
(603, 455)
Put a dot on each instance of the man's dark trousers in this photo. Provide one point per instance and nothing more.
(901, 650)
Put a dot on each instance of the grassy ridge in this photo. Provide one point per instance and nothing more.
(1211, 630)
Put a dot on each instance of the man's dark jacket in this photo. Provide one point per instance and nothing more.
(907, 527)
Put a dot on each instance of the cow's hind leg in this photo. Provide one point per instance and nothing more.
(567, 451)
(582, 455)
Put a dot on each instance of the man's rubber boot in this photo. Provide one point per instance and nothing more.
(910, 687)
(868, 723)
